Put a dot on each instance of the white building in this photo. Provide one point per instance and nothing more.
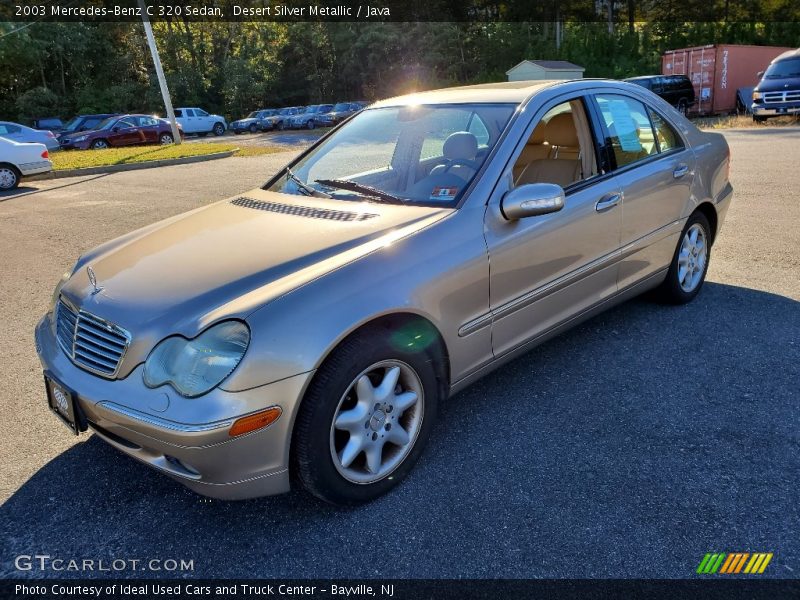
(544, 69)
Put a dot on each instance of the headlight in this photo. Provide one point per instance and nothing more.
(757, 95)
(57, 292)
(80, 138)
(194, 367)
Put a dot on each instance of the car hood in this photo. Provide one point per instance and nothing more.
(778, 85)
(244, 121)
(229, 258)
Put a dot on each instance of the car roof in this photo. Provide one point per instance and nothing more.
(785, 55)
(503, 92)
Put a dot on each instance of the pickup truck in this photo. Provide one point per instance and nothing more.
(196, 120)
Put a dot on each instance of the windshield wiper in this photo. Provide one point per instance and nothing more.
(360, 188)
(302, 185)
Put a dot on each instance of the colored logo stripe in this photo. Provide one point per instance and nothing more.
(734, 562)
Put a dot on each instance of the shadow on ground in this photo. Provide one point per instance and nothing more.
(649, 431)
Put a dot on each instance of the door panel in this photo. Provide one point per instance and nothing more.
(546, 269)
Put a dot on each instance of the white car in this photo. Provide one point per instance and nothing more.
(19, 133)
(20, 160)
(196, 120)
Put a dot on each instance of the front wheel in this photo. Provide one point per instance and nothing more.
(687, 272)
(311, 124)
(99, 145)
(683, 107)
(281, 126)
(253, 128)
(219, 129)
(9, 177)
(365, 419)
(757, 119)
(165, 138)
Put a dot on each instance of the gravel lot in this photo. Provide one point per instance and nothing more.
(628, 447)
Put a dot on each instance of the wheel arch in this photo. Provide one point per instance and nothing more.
(710, 213)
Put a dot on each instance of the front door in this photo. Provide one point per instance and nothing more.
(546, 269)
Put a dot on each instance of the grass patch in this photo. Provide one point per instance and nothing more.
(744, 121)
(82, 159)
(246, 151)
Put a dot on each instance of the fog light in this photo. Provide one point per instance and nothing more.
(255, 421)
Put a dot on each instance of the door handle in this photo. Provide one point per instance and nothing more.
(680, 171)
(608, 201)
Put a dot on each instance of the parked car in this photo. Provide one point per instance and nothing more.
(258, 120)
(121, 130)
(196, 120)
(314, 324)
(19, 133)
(309, 118)
(778, 92)
(81, 123)
(675, 89)
(53, 124)
(280, 121)
(18, 160)
(337, 114)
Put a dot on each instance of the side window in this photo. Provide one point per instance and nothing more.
(667, 137)
(189, 112)
(200, 113)
(91, 123)
(147, 121)
(178, 113)
(560, 150)
(126, 123)
(628, 128)
(3, 129)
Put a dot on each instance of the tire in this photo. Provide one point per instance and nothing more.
(362, 363)
(99, 145)
(681, 287)
(253, 128)
(281, 126)
(683, 106)
(9, 177)
(165, 138)
(759, 119)
(236, 131)
(218, 129)
(310, 124)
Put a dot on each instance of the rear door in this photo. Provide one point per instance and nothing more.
(655, 168)
(149, 129)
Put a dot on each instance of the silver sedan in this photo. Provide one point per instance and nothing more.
(313, 326)
(26, 135)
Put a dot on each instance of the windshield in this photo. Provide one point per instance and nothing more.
(422, 154)
(107, 123)
(252, 115)
(72, 124)
(783, 69)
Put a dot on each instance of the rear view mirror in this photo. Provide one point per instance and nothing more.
(532, 200)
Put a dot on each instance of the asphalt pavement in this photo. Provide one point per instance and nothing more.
(627, 447)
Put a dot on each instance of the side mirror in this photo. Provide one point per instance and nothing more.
(532, 200)
(760, 74)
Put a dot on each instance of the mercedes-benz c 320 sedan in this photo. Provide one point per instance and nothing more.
(310, 328)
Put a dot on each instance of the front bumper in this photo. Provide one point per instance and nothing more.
(196, 451)
(775, 109)
(70, 145)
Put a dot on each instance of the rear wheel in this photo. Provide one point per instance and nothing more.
(99, 145)
(365, 419)
(683, 106)
(281, 126)
(9, 177)
(253, 128)
(687, 272)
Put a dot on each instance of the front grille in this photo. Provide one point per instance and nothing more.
(91, 342)
(302, 211)
(778, 97)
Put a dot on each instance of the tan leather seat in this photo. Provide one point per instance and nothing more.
(536, 149)
(564, 165)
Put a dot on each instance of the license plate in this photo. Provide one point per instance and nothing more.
(62, 403)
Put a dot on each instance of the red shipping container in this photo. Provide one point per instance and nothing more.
(717, 71)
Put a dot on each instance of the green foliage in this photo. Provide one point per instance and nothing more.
(233, 68)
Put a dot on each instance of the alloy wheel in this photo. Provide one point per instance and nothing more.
(692, 258)
(8, 178)
(377, 421)
(166, 139)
